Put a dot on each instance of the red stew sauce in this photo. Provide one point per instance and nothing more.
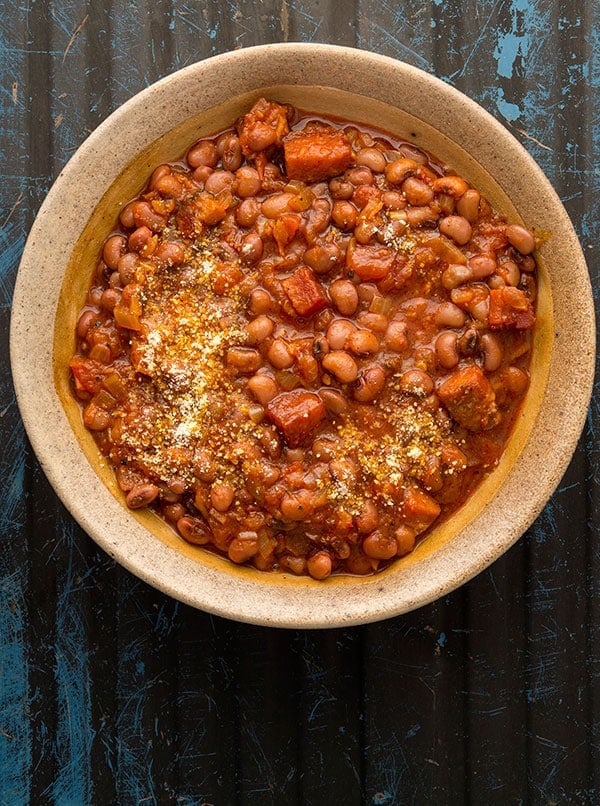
(305, 343)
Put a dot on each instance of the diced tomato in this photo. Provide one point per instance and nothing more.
(510, 308)
(305, 292)
(371, 262)
(87, 375)
(284, 230)
(317, 152)
(263, 127)
(418, 509)
(296, 414)
(470, 399)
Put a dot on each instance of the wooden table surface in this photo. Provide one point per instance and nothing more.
(111, 692)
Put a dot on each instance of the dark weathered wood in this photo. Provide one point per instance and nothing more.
(110, 692)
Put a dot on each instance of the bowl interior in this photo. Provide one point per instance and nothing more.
(501, 508)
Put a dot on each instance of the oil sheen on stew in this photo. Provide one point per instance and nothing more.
(305, 343)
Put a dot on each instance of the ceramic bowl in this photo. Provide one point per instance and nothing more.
(158, 125)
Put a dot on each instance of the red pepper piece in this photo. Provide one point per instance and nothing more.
(418, 509)
(317, 152)
(296, 414)
(305, 292)
(470, 399)
(370, 262)
(510, 308)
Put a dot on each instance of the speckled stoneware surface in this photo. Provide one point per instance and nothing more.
(157, 125)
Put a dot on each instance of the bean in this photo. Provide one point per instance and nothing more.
(221, 496)
(510, 272)
(337, 333)
(324, 448)
(343, 215)
(205, 468)
(126, 216)
(114, 248)
(334, 401)
(416, 191)
(243, 359)
(481, 266)
(416, 382)
(308, 369)
(398, 170)
(395, 337)
(259, 329)
(110, 297)
(201, 174)
(377, 322)
(251, 248)
(492, 351)
(457, 228)
(370, 383)
(279, 354)
(521, 238)
(445, 349)
(139, 239)
(260, 302)
(170, 186)
(193, 530)
(85, 322)
(297, 505)
(362, 175)
(247, 181)
(527, 264)
(405, 540)
(247, 212)
(322, 258)
(127, 267)
(344, 296)
(231, 153)
(342, 365)
(373, 158)
(276, 205)
(367, 519)
(451, 185)
(319, 565)
(142, 495)
(341, 189)
(379, 546)
(468, 342)
(243, 547)
(449, 315)
(203, 152)
(145, 216)
(362, 342)
(173, 511)
(157, 174)
(393, 200)
(219, 181)
(421, 217)
(455, 275)
(515, 380)
(468, 205)
(170, 253)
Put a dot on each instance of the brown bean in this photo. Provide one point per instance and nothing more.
(263, 387)
(279, 354)
(509, 272)
(373, 158)
(515, 380)
(243, 359)
(362, 342)
(297, 505)
(251, 248)
(110, 297)
(231, 153)
(323, 257)
(341, 188)
(457, 228)
(170, 253)
(446, 351)
(247, 212)
(342, 365)
(141, 495)
(395, 337)
(451, 185)
(139, 239)
(203, 153)
(468, 205)
(361, 175)
(482, 266)
(334, 401)
(157, 174)
(344, 296)
(393, 200)
(221, 496)
(449, 315)
(492, 352)
(201, 174)
(405, 540)
(146, 216)
(521, 238)
(193, 530)
(368, 518)
(455, 275)
(85, 322)
(259, 329)
(127, 267)
(343, 215)
(337, 333)
(398, 170)
(319, 565)
(170, 186)
(243, 547)
(219, 181)
(95, 418)
(277, 204)
(379, 546)
(114, 248)
(247, 182)
(416, 382)
(416, 191)
(377, 322)
(421, 216)
(260, 302)
(369, 384)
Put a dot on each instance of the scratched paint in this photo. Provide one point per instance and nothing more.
(486, 695)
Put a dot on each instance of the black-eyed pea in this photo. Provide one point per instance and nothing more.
(342, 365)
(416, 382)
(491, 348)
(380, 546)
(468, 205)
(243, 547)
(362, 342)
(319, 565)
(521, 238)
(263, 387)
(344, 296)
(337, 333)
(259, 329)
(369, 384)
(446, 351)
(221, 496)
(142, 495)
(457, 228)
(405, 540)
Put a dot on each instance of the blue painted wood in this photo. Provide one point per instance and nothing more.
(111, 692)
